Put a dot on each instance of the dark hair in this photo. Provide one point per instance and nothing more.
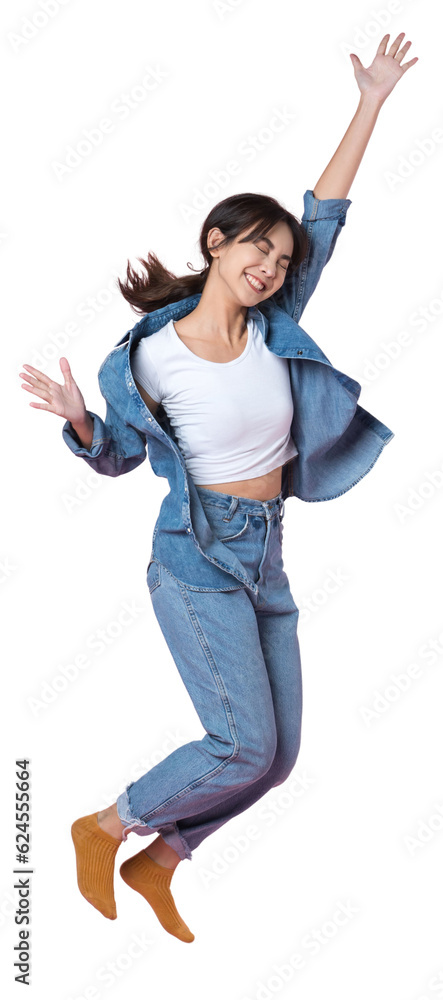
(158, 287)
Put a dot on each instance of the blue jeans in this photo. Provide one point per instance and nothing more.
(239, 658)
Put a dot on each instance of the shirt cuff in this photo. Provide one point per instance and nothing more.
(323, 208)
(98, 437)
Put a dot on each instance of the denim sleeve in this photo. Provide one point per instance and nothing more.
(323, 220)
(107, 455)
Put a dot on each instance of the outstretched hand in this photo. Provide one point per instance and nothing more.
(64, 400)
(385, 70)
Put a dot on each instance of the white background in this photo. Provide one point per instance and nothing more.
(367, 831)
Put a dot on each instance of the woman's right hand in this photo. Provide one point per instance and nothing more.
(64, 400)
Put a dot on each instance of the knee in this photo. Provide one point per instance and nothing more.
(252, 755)
(284, 763)
(261, 755)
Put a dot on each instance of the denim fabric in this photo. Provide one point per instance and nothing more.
(239, 658)
(338, 440)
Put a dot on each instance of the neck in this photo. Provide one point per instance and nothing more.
(217, 315)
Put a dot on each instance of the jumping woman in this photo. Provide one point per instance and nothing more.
(239, 409)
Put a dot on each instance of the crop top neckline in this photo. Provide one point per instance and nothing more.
(217, 364)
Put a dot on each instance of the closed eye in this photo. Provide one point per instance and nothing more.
(265, 252)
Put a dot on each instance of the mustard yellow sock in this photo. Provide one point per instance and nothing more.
(95, 852)
(152, 881)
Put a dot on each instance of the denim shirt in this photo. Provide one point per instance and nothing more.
(338, 441)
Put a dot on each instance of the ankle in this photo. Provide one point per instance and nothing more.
(163, 854)
(109, 821)
(163, 862)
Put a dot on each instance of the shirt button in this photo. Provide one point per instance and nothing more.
(188, 529)
(299, 352)
(149, 418)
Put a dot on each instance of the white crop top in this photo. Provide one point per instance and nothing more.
(232, 419)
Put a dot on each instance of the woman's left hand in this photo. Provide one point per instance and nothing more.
(385, 70)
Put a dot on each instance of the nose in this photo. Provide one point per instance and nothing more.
(269, 270)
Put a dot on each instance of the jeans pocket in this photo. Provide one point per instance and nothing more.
(153, 575)
(226, 531)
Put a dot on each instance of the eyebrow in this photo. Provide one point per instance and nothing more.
(283, 256)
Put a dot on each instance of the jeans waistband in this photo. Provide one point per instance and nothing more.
(231, 502)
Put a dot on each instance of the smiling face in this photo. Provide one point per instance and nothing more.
(253, 271)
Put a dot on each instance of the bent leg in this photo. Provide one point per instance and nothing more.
(215, 642)
(281, 652)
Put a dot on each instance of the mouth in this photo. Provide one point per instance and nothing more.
(254, 283)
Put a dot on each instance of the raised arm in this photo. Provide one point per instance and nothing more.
(326, 205)
(375, 84)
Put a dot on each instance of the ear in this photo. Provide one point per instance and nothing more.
(214, 237)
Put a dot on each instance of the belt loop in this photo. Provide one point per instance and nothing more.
(232, 509)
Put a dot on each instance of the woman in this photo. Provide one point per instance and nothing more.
(239, 409)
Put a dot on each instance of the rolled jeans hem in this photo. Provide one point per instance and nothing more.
(170, 833)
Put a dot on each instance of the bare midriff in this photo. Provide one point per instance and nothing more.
(262, 488)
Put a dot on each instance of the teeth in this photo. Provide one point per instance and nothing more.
(255, 283)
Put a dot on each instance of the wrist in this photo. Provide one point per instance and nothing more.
(370, 102)
(84, 430)
(84, 421)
